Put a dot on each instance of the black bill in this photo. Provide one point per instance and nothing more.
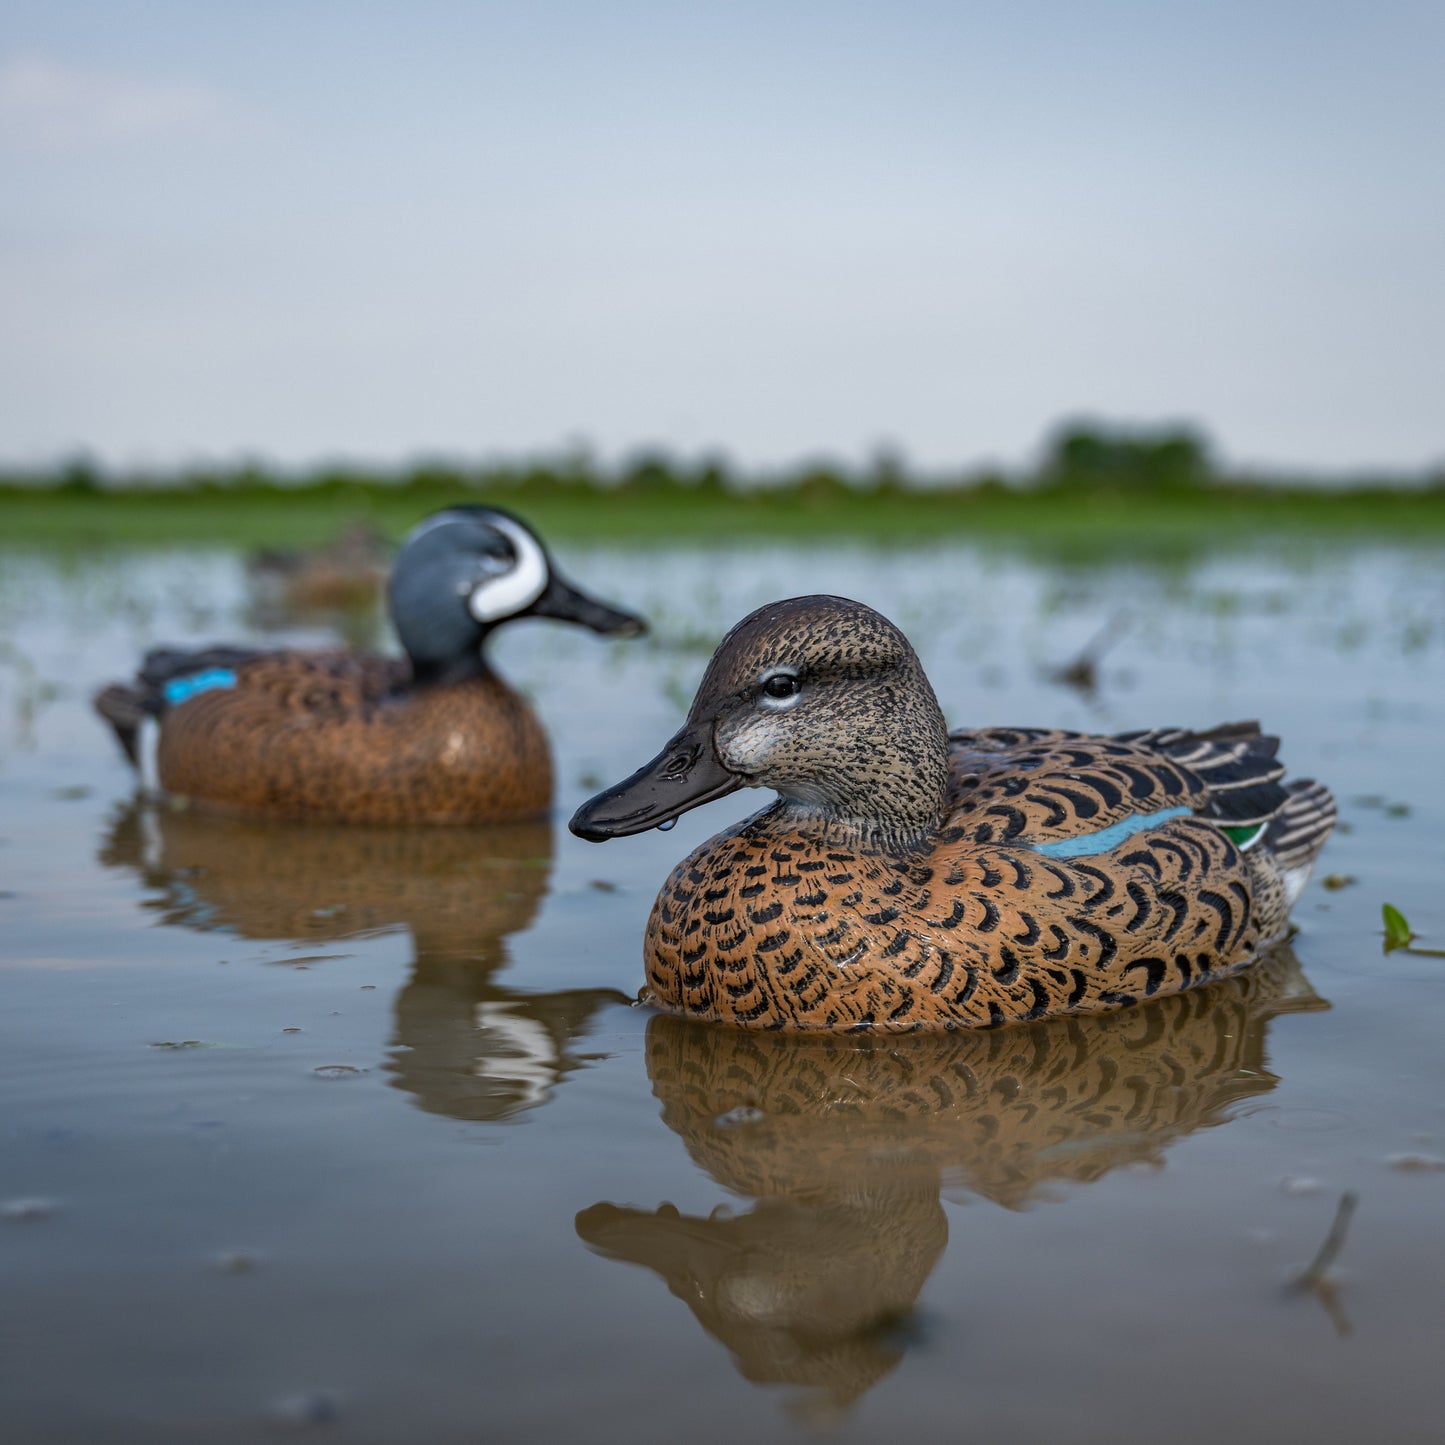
(567, 603)
(685, 774)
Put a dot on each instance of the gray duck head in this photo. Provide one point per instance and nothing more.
(820, 698)
(468, 569)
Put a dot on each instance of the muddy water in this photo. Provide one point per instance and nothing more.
(354, 1132)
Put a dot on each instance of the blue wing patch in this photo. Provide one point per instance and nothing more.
(182, 689)
(1107, 838)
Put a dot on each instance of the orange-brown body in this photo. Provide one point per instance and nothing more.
(342, 737)
(774, 928)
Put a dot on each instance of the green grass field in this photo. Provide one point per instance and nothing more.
(1088, 519)
(1097, 490)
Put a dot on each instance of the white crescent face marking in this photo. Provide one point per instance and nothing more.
(520, 585)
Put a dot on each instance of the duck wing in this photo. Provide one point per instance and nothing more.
(126, 705)
(329, 684)
(1052, 787)
(323, 681)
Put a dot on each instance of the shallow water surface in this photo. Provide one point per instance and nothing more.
(356, 1132)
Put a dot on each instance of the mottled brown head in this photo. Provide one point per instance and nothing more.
(823, 700)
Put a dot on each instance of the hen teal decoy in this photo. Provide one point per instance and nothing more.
(436, 737)
(347, 573)
(910, 878)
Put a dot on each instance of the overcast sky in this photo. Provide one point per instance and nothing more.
(304, 229)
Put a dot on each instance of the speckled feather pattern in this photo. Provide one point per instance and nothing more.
(342, 737)
(914, 895)
(772, 928)
(1007, 1110)
(874, 672)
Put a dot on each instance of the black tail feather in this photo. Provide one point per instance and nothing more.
(125, 708)
(126, 705)
(1298, 831)
(1235, 762)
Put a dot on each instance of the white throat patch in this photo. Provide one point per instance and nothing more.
(520, 585)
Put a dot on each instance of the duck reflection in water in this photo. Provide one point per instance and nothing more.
(847, 1143)
(464, 1045)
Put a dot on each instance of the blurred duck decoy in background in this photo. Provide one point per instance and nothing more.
(348, 572)
(908, 878)
(346, 736)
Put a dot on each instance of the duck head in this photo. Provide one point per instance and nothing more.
(820, 698)
(468, 569)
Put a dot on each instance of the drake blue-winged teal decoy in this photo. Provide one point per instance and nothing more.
(435, 737)
(910, 878)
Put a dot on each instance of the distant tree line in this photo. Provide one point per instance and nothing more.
(1078, 457)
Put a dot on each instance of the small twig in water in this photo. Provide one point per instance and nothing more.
(1315, 1278)
(1319, 1267)
(1082, 674)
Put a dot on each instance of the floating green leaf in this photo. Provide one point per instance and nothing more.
(1398, 933)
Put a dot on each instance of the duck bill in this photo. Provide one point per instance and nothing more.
(685, 774)
(566, 603)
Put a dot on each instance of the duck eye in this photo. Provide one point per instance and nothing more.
(781, 685)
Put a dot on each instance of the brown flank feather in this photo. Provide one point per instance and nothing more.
(907, 879)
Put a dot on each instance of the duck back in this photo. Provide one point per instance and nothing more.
(1073, 874)
(344, 737)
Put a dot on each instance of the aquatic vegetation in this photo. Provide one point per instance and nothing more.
(1399, 934)
(1397, 931)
